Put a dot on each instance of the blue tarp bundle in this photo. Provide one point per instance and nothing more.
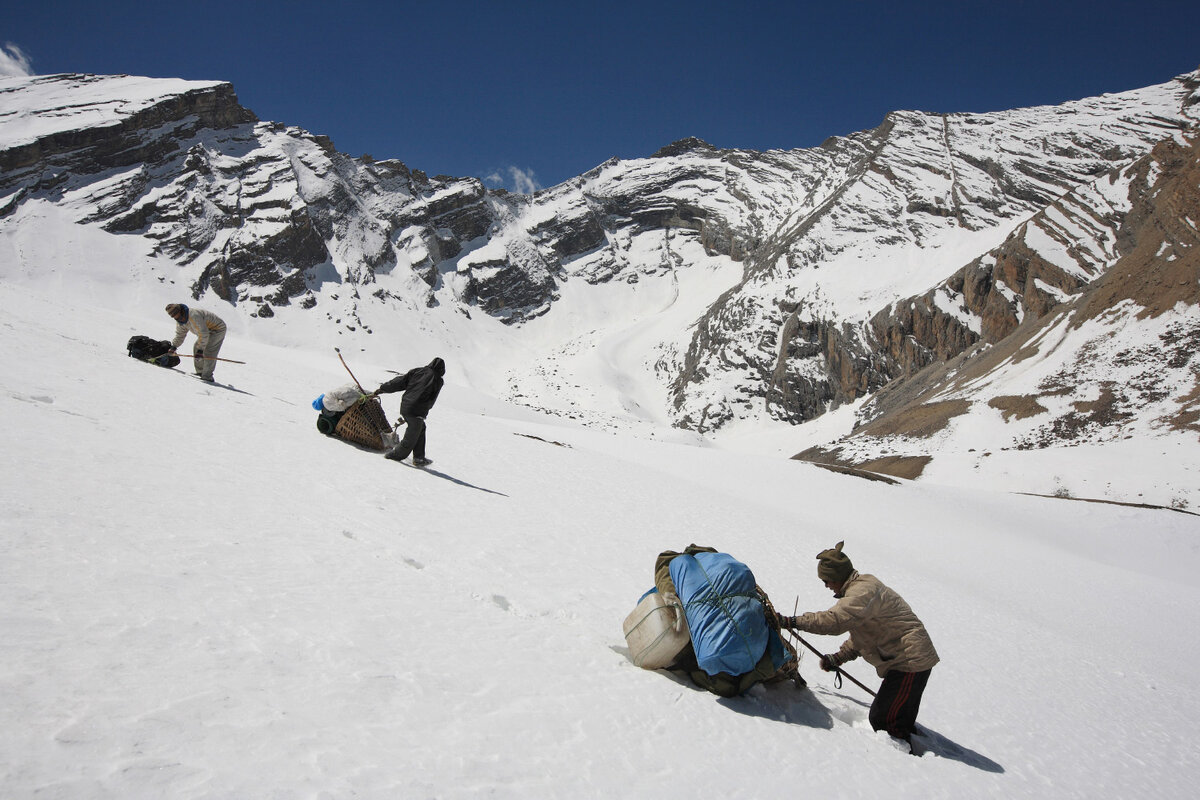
(724, 613)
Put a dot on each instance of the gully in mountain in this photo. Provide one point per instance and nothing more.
(883, 630)
(421, 387)
(210, 335)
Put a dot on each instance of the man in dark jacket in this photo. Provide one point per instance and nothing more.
(421, 387)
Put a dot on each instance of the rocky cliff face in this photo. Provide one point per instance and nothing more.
(1048, 260)
(904, 202)
(256, 207)
(118, 133)
(1115, 359)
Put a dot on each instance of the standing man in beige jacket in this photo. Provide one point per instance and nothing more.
(883, 630)
(210, 335)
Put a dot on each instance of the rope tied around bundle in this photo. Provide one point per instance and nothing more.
(772, 617)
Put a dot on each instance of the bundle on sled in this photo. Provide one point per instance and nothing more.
(347, 413)
(707, 617)
(153, 351)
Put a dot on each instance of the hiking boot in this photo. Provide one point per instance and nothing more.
(422, 462)
(793, 675)
(395, 454)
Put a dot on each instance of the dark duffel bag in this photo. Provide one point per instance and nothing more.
(153, 351)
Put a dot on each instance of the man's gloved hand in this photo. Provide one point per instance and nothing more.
(830, 662)
(788, 623)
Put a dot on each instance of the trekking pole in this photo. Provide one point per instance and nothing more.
(338, 350)
(211, 358)
(838, 670)
(820, 655)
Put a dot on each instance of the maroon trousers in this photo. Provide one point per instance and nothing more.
(897, 703)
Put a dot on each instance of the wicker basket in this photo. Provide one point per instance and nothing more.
(365, 424)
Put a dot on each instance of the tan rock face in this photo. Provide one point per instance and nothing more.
(1017, 406)
(1162, 267)
(1158, 271)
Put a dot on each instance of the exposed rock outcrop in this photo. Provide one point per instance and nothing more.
(1120, 353)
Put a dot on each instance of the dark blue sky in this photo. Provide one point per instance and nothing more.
(552, 89)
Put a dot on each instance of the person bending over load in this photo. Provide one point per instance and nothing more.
(421, 387)
(210, 335)
(883, 630)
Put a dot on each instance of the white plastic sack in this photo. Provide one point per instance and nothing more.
(341, 398)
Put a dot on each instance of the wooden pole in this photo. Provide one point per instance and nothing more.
(211, 358)
(819, 654)
(338, 350)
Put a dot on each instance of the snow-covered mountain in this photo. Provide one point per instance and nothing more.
(202, 597)
(701, 288)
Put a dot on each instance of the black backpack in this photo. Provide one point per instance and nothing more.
(153, 351)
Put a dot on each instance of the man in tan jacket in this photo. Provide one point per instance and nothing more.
(883, 630)
(210, 335)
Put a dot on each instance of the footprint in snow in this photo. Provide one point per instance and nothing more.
(32, 398)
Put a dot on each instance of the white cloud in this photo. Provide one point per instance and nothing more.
(13, 62)
(522, 181)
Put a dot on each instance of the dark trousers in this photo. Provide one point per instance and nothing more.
(413, 441)
(897, 703)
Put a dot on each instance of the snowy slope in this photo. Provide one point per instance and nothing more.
(200, 596)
